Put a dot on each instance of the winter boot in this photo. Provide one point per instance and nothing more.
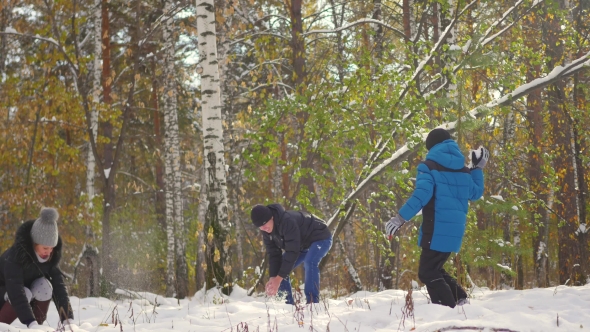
(440, 293)
(40, 309)
(456, 289)
(7, 313)
(463, 301)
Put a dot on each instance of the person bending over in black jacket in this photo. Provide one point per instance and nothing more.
(292, 238)
(30, 276)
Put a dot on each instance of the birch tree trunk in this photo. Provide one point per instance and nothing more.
(378, 38)
(449, 58)
(96, 89)
(94, 286)
(174, 219)
(511, 223)
(5, 21)
(358, 285)
(201, 265)
(218, 269)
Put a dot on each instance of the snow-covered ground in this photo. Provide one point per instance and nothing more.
(560, 308)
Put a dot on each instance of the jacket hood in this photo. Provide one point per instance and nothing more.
(278, 208)
(447, 154)
(277, 212)
(24, 250)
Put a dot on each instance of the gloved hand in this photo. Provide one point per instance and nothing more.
(479, 158)
(35, 326)
(393, 225)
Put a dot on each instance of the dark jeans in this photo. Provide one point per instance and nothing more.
(311, 259)
(442, 288)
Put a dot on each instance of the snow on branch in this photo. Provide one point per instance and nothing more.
(352, 24)
(73, 66)
(486, 37)
(557, 73)
(11, 31)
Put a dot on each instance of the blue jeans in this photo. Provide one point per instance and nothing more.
(311, 259)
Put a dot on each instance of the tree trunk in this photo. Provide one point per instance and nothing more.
(580, 103)
(218, 257)
(577, 15)
(111, 156)
(299, 77)
(5, 21)
(449, 59)
(407, 6)
(510, 228)
(297, 45)
(565, 207)
(337, 21)
(358, 285)
(201, 265)
(107, 133)
(535, 126)
(160, 198)
(96, 88)
(378, 38)
(176, 274)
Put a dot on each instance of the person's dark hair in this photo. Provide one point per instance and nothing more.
(436, 136)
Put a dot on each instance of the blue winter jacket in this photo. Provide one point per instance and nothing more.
(444, 187)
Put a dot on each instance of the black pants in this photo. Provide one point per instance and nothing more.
(442, 288)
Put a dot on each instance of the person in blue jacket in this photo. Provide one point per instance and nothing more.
(444, 187)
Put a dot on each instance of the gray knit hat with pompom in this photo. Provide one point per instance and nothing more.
(44, 231)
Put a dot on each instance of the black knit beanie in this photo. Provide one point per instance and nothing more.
(436, 136)
(260, 215)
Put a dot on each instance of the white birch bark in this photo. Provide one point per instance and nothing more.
(215, 179)
(373, 261)
(570, 19)
(96, 90)
(350, 241)
(350, 267)
(172, 178)
(449, 59)
(201, 264)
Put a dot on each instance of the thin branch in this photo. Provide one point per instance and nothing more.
(433, 51)
(135, 177)
(268, 85)
(355, 23)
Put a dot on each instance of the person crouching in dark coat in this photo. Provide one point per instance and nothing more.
(30, 276)
(292, 238)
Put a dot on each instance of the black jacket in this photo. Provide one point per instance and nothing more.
(293, 232)
(19, 267)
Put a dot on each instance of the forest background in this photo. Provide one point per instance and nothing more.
(154, 127)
